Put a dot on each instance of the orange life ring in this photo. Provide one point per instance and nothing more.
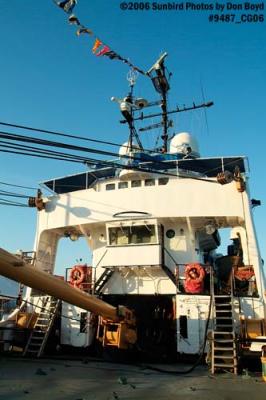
(194, 282)
(198, 269)
(77, 275)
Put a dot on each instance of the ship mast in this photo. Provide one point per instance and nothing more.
(132, 78)
(127, 109)
(129, 106)
(161, 85)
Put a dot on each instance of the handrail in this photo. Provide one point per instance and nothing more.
(170, 255)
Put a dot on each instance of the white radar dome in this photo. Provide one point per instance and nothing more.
(184, 143)
(125, 149)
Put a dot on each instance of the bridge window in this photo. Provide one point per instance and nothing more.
(149, 182)
(110, 186)
(136, 183)
(163, 181)
(122, 185)
(124, 235)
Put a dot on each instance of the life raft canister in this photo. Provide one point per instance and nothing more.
(194, 282)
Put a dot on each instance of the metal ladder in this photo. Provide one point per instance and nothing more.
(223, 344)
(44, 323)
(99, 284)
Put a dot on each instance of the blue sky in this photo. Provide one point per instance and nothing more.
(50, 79)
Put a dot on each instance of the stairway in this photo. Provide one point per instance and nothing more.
(42, 327)
(223, 347)
(99, 284)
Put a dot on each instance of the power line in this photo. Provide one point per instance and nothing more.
(38, 150)
(37, 155)
(43, 142)
(18, 186)
(10, 194)
(12, 203)
(72, 157)
(59, 134)
(66, 135)
(113, 164)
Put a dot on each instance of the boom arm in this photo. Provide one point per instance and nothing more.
(15, 268)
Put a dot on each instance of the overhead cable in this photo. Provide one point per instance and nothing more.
(66, 135)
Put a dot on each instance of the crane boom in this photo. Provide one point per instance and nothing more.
(15, 268)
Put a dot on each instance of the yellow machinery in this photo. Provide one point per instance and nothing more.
(117, 326)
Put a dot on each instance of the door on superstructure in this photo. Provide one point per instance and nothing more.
(192, 314)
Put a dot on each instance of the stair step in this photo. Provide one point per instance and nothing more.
(222, 326)
(221, 365)
(223, 301)
(226, 339)
(38, 338)
(219, 348)
(225, 318)
(223, 357)
(223, 341)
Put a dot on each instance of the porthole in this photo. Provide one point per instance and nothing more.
(170, 233)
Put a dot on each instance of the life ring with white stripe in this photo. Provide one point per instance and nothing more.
(198, 271)
(194, 282)
(77, 275)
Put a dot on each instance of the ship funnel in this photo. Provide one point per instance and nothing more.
(184, 144)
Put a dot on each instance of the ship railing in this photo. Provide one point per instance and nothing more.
(240, 281)
(176, 272)
(208, 281)
(235, 278)
(133, 266)
(27, 256)
(244, 281)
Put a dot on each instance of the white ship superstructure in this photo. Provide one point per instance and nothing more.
(154, 222)
(144, 231)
